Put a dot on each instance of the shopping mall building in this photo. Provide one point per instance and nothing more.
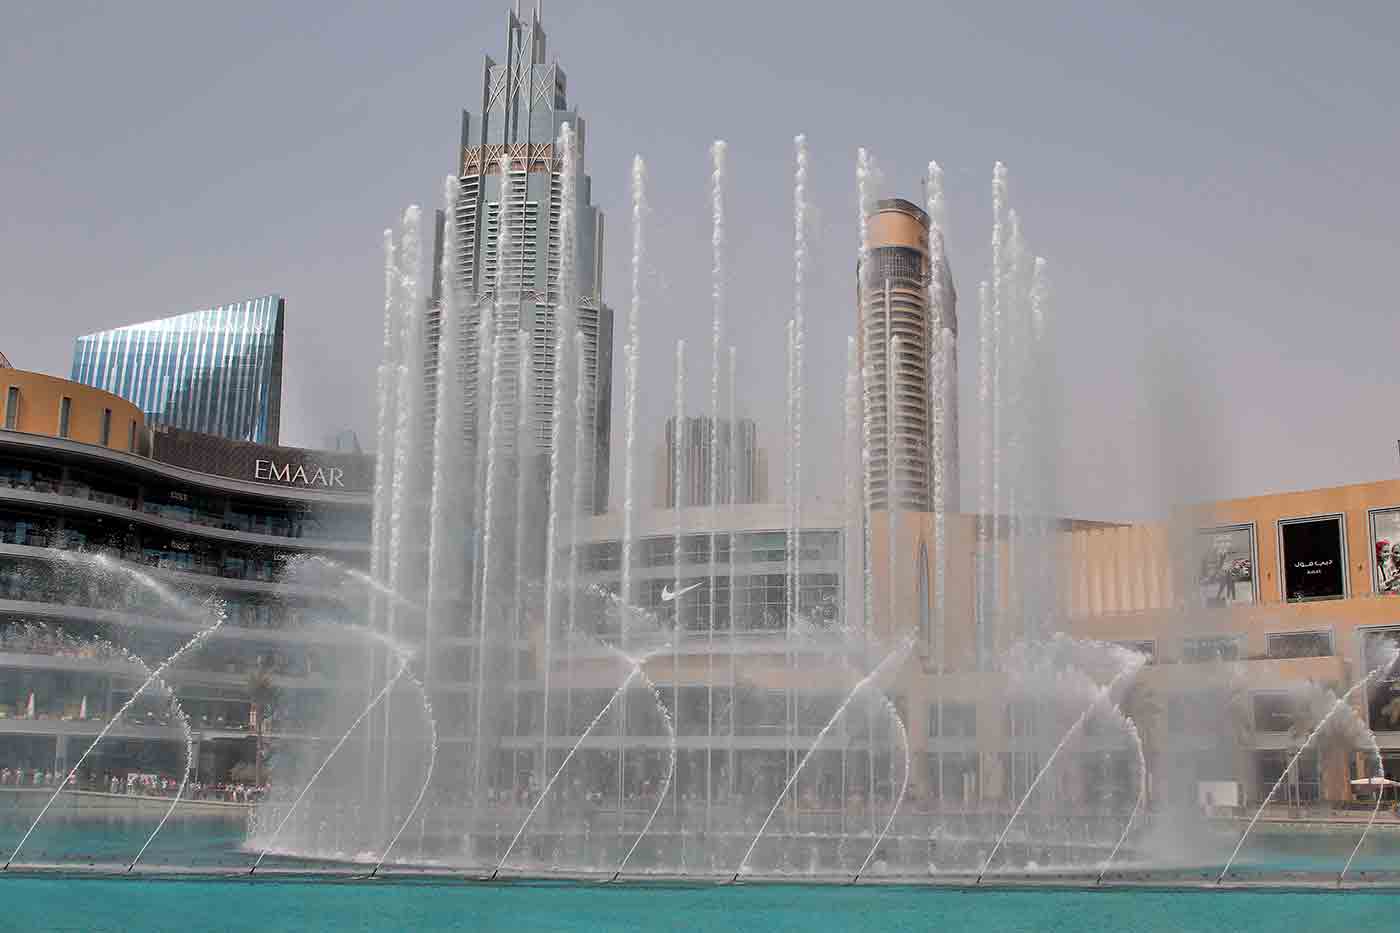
(194, 516)
(1243, 608)
(1246, 611)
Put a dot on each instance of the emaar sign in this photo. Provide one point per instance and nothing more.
(298, 475)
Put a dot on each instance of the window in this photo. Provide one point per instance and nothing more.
(106, 427)
(1300, 645)
(1147, 648)
(1022, 717)
(12, 408)
(1383, 697)
(1210, 648)
(131, 437)
(65, 411)
(959, 720)
(1273, 712)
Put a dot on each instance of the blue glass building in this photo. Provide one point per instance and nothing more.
(217, 371)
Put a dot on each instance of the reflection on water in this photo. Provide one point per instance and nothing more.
(214, 839)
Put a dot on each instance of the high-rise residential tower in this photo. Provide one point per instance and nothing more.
(896, 309)
(217, 371)
(524, 106)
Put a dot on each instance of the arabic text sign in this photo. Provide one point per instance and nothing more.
(1313, 567)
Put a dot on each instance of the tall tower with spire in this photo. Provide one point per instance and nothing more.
(508, 249)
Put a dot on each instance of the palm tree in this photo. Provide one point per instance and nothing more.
(1312, 708)
(1391, 711)
(1239, 732)
(261, 694)
(1141, 705)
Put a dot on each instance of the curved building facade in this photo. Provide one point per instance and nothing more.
(910, 384)
(38, 404)
(103, 545)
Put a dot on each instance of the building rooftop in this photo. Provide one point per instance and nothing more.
(902, 206)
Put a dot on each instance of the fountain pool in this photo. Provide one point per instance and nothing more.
(266, 906)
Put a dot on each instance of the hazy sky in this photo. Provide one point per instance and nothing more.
(1214, 185)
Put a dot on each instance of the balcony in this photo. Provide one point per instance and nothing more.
(232, 527)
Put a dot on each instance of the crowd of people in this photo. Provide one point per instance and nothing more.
(37, 638)
(136, 784)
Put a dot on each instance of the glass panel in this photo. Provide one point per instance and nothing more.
(1210, 648)
(1300, 645)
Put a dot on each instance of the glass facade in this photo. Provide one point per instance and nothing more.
(217, 371)
(79, 526)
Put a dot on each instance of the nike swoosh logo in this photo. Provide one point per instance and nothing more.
(667, 595)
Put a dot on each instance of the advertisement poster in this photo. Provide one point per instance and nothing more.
(1226, 565)
(1312, 559)
(1385, 550)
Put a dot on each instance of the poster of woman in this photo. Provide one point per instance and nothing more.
(1385, 550)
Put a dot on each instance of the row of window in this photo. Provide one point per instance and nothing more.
(1207, 648)
(187, 505)
(749, 547)
(65, 418)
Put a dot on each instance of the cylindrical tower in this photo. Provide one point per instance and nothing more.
(894, 306)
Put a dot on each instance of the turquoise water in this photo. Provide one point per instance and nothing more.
(158, 906)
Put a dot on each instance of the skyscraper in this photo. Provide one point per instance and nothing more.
(895, 310)
(524, 106)
(217, 371)
(741, 464)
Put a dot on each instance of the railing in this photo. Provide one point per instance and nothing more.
(230, 521)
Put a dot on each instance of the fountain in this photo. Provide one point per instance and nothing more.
(1341, 703)
(340, 743)
(152, 678)
(787, 726)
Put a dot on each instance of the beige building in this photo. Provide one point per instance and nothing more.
(38, 404)
(1260, 604)
(899, 334)
(1246, 611)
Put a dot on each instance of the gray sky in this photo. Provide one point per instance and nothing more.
(1214, 185)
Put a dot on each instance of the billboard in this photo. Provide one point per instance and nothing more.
(335, 471)
(1385, 551)
(1313, 562)
(1225, 561)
